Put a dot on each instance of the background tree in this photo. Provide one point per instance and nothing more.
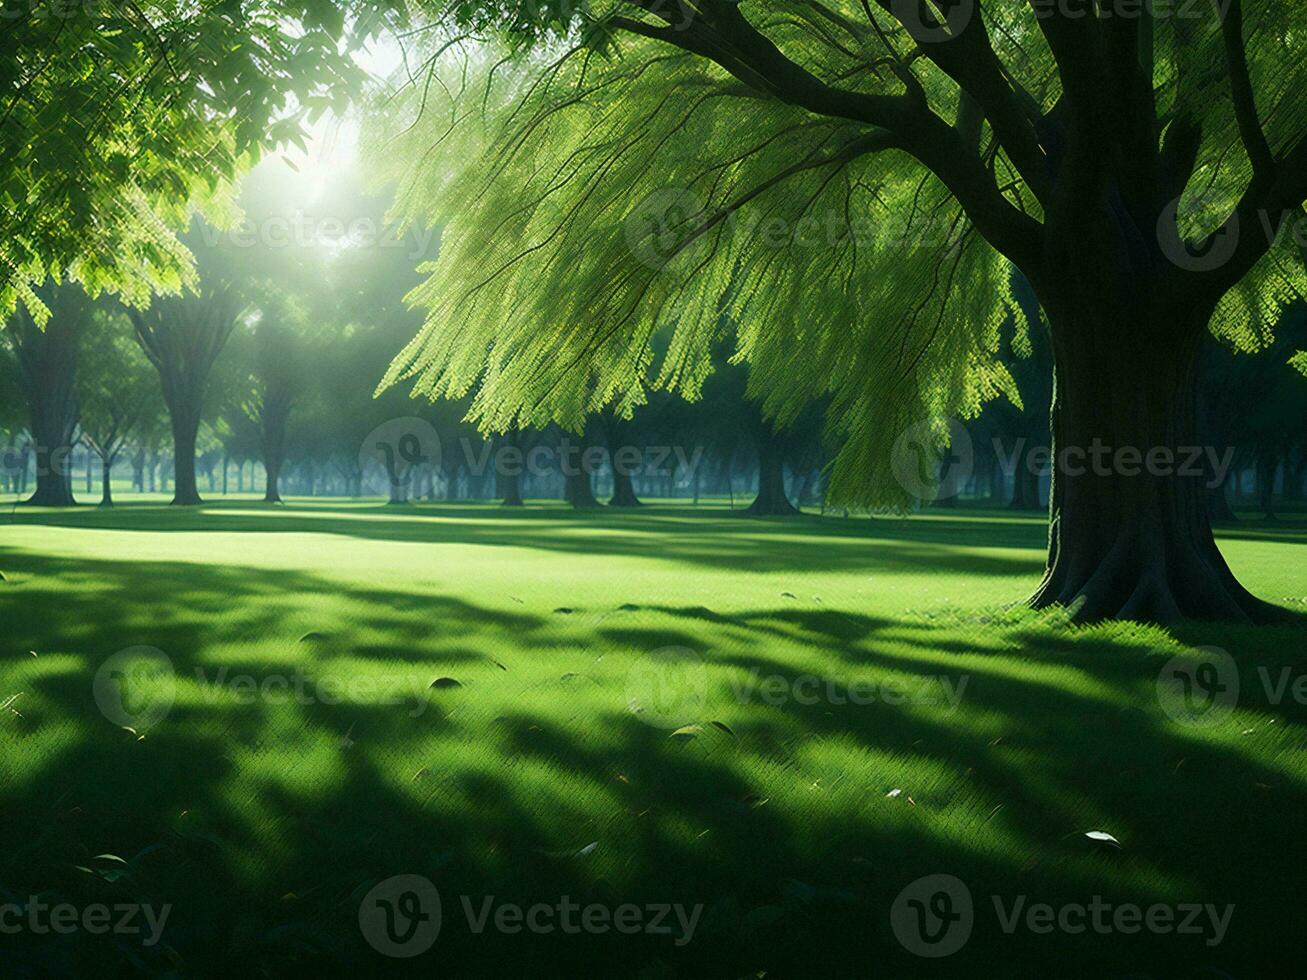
(46, 357)
(182, 336)
(115, 392)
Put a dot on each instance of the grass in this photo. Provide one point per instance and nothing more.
(577, 755)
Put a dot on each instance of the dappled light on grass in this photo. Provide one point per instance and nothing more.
(838, 748)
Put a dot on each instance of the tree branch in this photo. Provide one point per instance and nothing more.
(1241, 91)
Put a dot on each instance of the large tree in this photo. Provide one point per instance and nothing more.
(116, 394)
(183, 336)
(863, 172)
(46, 340)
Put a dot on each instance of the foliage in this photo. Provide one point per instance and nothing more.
(116, 119)
(611, 173)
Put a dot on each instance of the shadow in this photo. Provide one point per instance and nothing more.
(506, 753)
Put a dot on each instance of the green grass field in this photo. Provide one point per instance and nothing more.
(786, 723)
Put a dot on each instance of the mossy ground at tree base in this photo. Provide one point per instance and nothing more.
(263, 821)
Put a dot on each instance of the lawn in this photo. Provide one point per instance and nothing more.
(774, 727)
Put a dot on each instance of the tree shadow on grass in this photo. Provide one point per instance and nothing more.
(265, 821)
(712, 539)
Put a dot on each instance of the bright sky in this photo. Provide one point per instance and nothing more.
(333, 141)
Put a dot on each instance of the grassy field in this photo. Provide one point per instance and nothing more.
(783, 725)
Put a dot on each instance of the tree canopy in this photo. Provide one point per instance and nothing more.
(116, 119)
(849, 181)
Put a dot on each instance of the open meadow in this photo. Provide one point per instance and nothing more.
(780, 725)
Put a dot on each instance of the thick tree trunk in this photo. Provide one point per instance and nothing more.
(577, 490)
(185, 431)
(1130, 536)
(1218, 503)
(47, 361)
(771, 500)
(623, 490)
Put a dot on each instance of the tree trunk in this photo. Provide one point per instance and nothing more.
(508, 473)
(577, 490)
(1218, 503)
(47, 361)
(185, 431)
(1129, 540)
(771, 500)
(1025, 487)
(106, 493)
(623, 490)
(1268, 464)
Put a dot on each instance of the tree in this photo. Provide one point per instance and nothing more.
(115, 393)
(47, 358)
(116, 118)
(182, 336)
(1125, 160)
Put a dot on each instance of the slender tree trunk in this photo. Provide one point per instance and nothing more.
(771, 500)
(1268, 464)
(1025, 487)
(1128, 539)
(508, 472)
(106, 492)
